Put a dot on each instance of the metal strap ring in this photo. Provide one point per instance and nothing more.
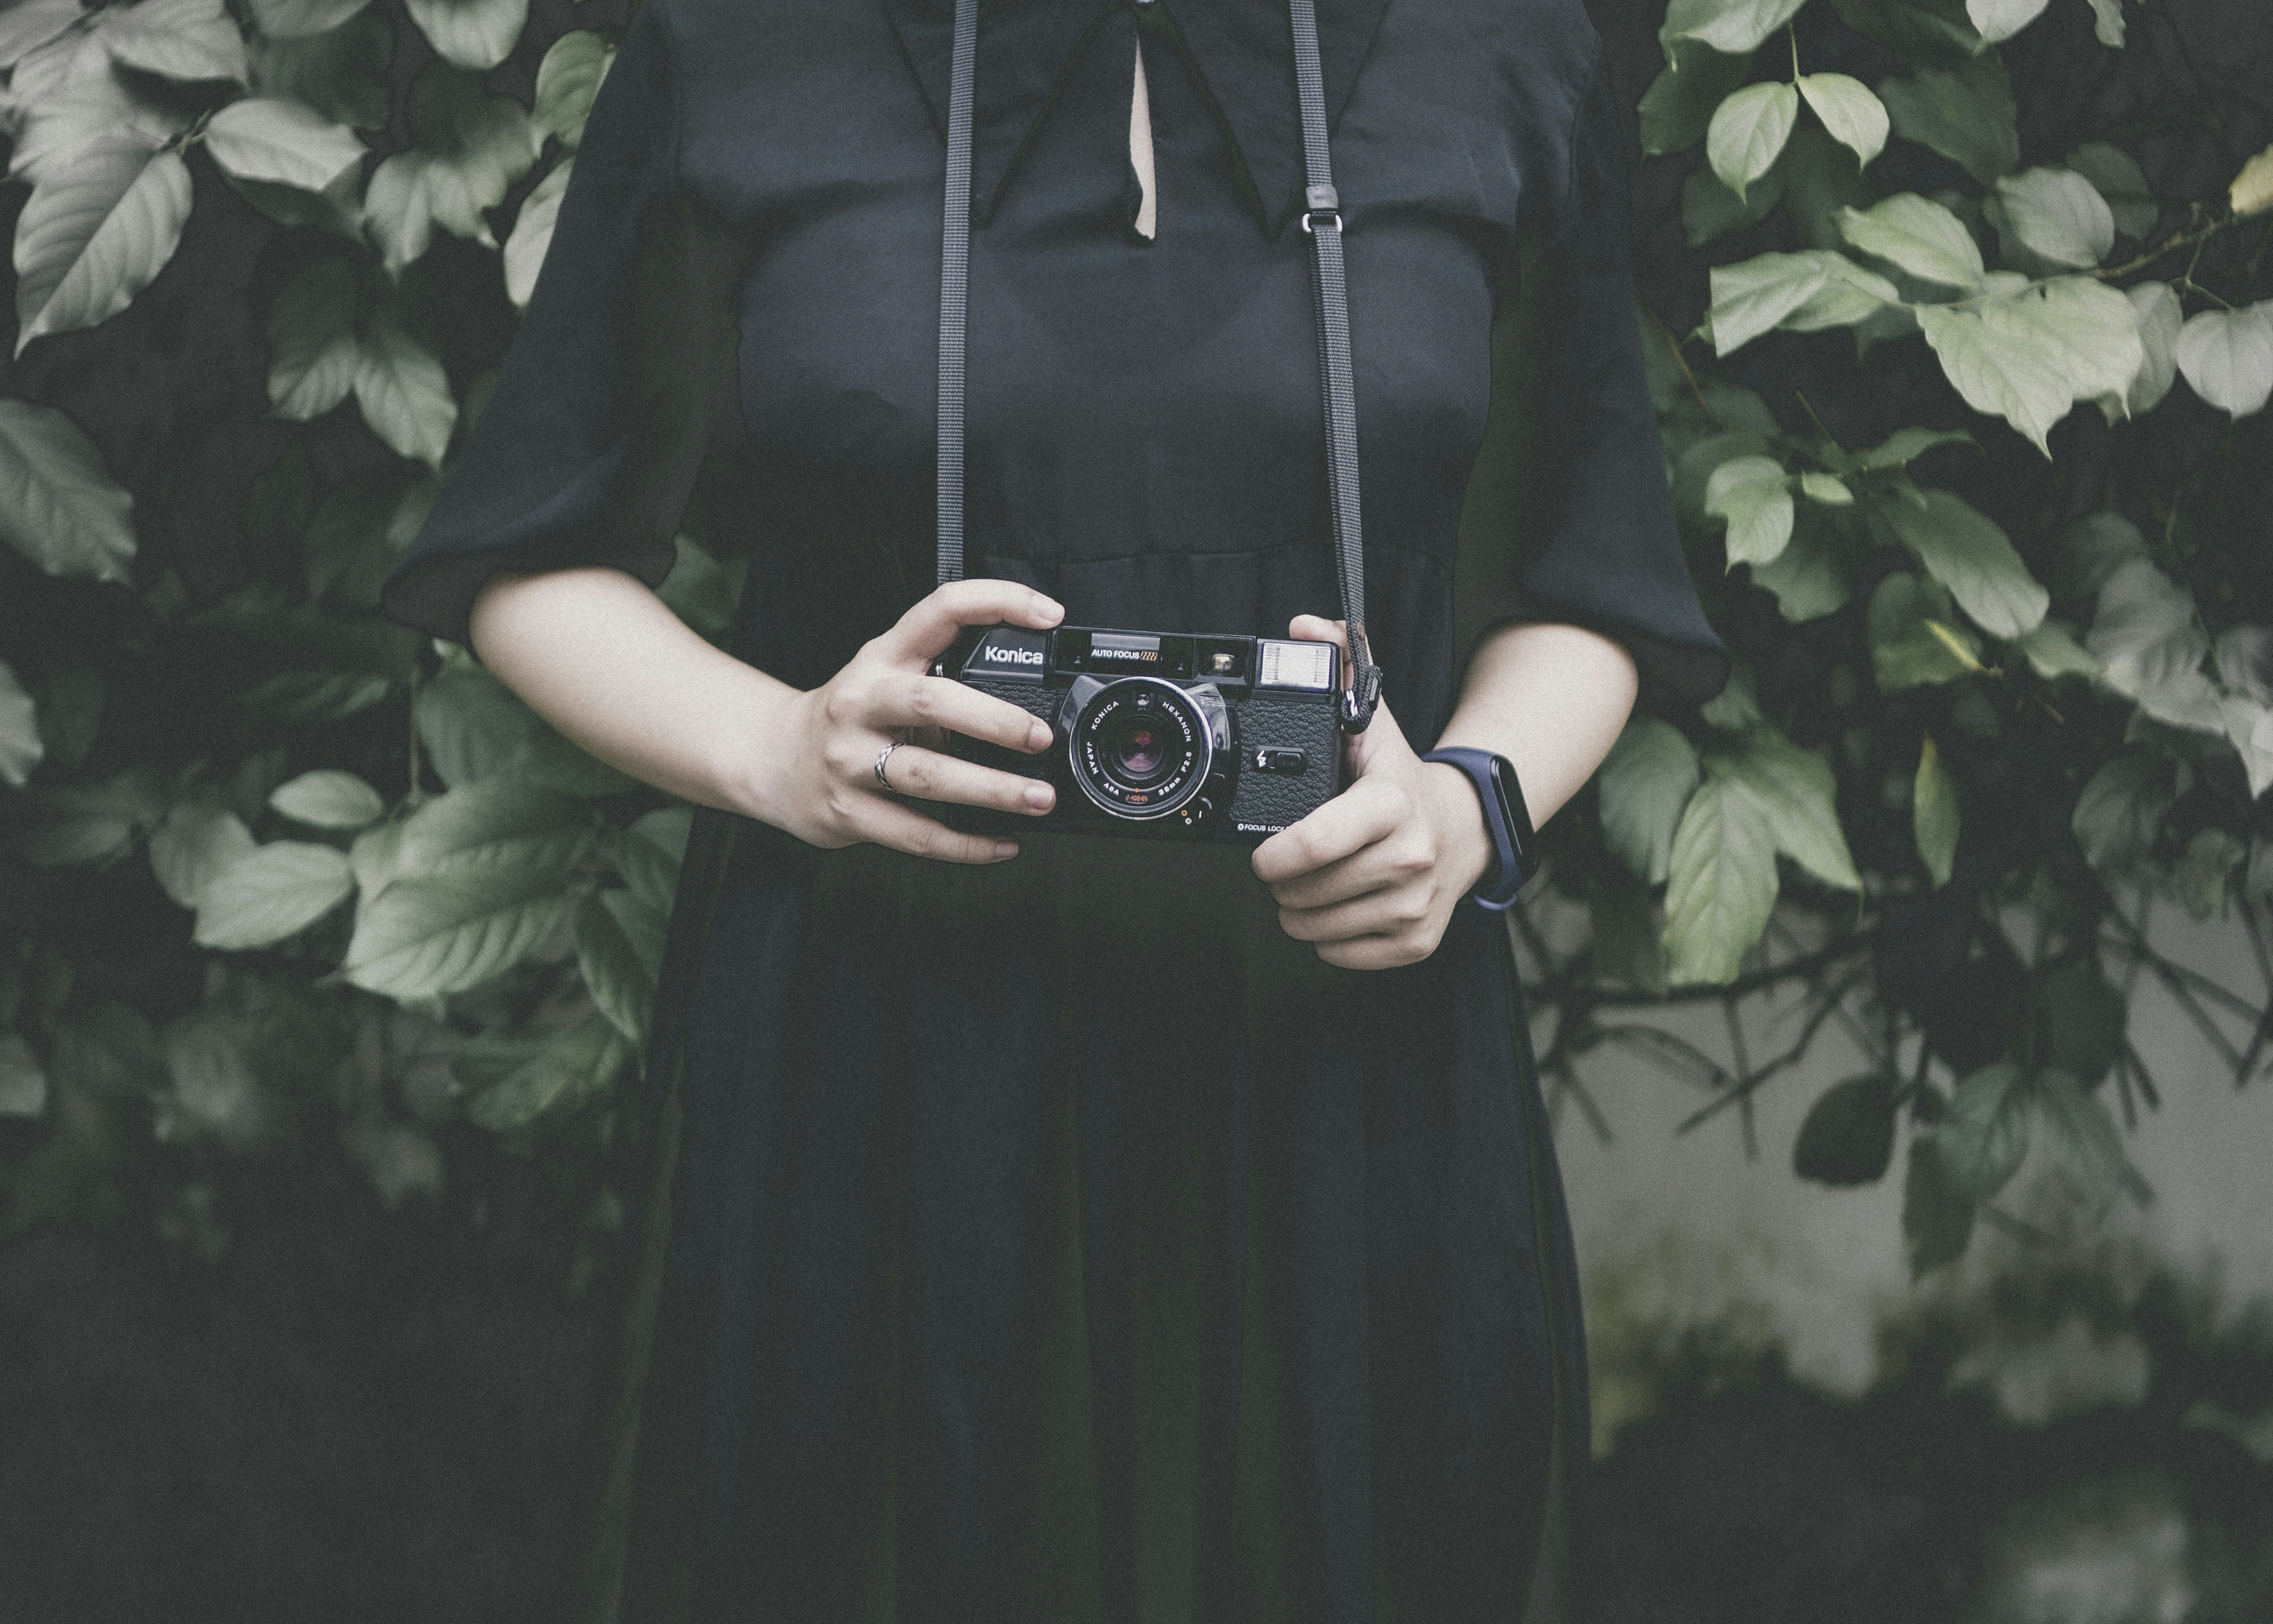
(882, 756)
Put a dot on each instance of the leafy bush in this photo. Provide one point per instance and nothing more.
(284, 884)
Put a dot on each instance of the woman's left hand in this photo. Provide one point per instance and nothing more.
(1372, 877)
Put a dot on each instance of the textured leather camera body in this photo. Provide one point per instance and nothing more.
(1158, 734)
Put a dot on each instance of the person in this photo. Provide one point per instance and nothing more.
(1063, 1228)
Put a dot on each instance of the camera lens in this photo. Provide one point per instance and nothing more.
(1140, 748)
(1135, 749)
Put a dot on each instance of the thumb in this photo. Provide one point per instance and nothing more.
(1383, 738)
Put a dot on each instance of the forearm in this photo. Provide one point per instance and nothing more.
(599, 656)
(1552, 699)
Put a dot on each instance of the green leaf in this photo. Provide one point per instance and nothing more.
(1918, 236)
(1709, 209)
(196, 841)
(2151, 645)
(2121, 809)
(311, 340)
(1848, 1137)
(532, 233)
(328, 798)
(1806, 579)
(1850, 295)
(23, 1080)
(650, 855)
(2028, 358)
(2159, 314)
(472, 725)
(1965, 114)
(1912, 639)
(2107, 22)
(1722, 885)
(619, 952)
(214, 1092)
(21, 744)
(577, 1066)
(58, 504)
(193, 41)
(1796, 793)
(2079, 1020)
(1967, 552)
(297, 19)
(1937, 1219)
(272, 892)
(472, 147)
(470, 33)
(2001, 19)
(100, 225)
(404, 393)
(1934, 815)
(1984, 1137)
(1677, 107)
(2051, 219)
(566, 81)
(1905, 446)
(551, 762)
(1753, 494)
(1748, 132)
(2083, 1136)
(2053, 652)
(2226, 355)
(2212, 856)
(1646, 780)
(1753, 295)
(492, 812)
(341, 73)
(1855, 118)
(1827, 489)
(1734, 27)
(483, 912)
(374, 856)
(26, 26)
(1736, 708)
(287, 143)
(2115, 175)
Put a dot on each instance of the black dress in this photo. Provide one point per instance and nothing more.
(1057, 1240)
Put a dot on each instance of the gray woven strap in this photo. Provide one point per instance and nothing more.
(1321, 220)
(954, 287)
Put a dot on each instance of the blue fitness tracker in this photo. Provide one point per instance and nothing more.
(1505, 815)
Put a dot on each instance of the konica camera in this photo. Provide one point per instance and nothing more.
(1210, 739)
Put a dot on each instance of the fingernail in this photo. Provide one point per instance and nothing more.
(1038, 737)
(1005, 849)
(1041, 795)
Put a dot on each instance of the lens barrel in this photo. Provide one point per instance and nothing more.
(1140, 749)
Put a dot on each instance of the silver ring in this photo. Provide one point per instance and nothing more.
(882, 756)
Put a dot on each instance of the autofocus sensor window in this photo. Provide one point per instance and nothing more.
(1140, 749)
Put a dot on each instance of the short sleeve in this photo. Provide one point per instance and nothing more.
(591, 440)
(1596, 541)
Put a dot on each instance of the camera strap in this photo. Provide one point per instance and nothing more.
(1322, 222)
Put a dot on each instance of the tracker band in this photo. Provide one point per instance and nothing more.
(1322, 222)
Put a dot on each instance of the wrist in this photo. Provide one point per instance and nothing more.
(758, 757)
(1464, 843)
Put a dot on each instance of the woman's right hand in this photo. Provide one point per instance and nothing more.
(819, 780)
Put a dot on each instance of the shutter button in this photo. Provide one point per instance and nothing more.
(1290, 762)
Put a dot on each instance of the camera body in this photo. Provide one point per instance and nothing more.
(1221, 738)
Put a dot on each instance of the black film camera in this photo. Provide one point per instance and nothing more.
(1210, 739)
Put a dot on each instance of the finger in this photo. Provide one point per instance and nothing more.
(904, 700)
(1374, 953)
(923, 632)
(927, 776)
(1355, 819)
(1387, 911)
(888, 823)
(1369, 869)
(1318, 629)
